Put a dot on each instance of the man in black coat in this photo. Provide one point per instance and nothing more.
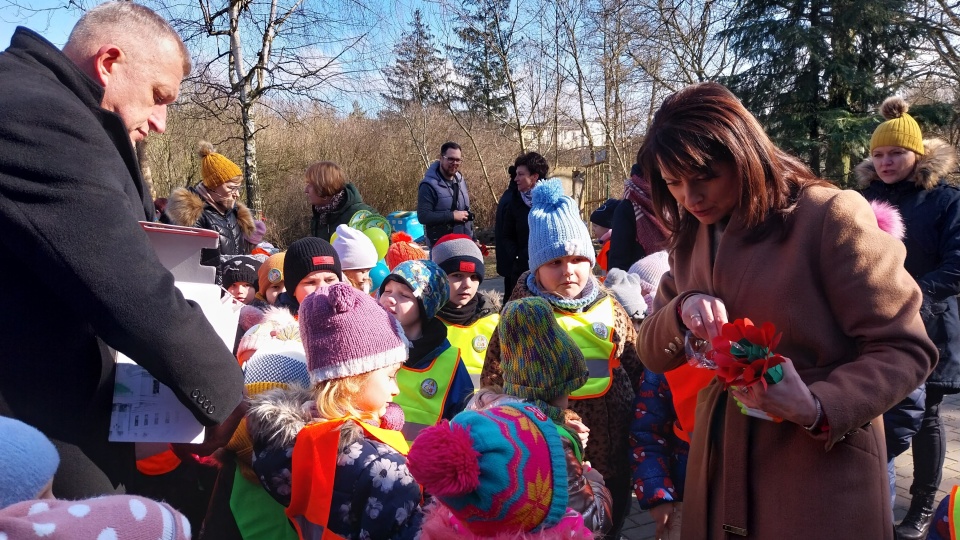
(80, 276)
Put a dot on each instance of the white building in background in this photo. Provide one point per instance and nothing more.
(569, 135)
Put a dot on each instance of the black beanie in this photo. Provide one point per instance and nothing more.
(242, 268)
(306, 256)
(603, 216)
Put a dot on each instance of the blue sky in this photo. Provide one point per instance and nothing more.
(46, 19)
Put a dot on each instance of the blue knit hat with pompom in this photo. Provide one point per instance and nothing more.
(28, 461)
(556, 228)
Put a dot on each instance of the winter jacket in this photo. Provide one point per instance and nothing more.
(624, 248)
(352, 203)
(71, 196)
(374, 495)
(903, 421)
(435, 204)
(511, 238)
(849, 314)
(585, 487)
(931, 213)
(607, 416)
(659, 457)
(185, 207)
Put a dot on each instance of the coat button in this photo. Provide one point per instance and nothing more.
(206, 403)
(195, 393)
(211, 408)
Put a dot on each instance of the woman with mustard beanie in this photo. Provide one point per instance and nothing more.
(213, 204)
(910, 173)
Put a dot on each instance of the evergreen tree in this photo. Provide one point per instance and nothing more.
(419, 74)
(816, 68)
(480, 60)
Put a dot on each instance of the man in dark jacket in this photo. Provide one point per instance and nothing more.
(443, 204)
(86, 277)
(514, 232)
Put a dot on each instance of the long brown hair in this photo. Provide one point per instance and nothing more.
(703, 124)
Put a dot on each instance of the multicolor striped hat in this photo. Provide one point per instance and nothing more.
(501, 470)
(428, 282)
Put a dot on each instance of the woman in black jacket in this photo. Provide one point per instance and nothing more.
(512, 231)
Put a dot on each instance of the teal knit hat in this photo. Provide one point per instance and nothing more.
(428, 282)
(556, 229)
(540, 361)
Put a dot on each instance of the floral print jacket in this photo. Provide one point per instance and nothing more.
(374, 495)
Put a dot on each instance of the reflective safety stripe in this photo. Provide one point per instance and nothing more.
(312, 531)
(592, 331)
(954, 513)
(423, 392)
(475, 379)
(473, 341)
(410, 430)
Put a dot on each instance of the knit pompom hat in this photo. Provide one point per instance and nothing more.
(215, 169)
(652, 267)
(556, 229)
(498, 471)
(428, 282)
(28, 461)
(539, 360)
(112, 517)
(355, 249)
(346, 333)
(276, 367)
(458, 253)
(402, 248)
(240, 269)
(900, 129)
(270, 273)
(305, 256)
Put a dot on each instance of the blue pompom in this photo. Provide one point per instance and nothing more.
(548, 193)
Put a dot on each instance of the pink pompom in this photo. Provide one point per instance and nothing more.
(444, 461)
(250, 317)
(889, 219)
(393, 418)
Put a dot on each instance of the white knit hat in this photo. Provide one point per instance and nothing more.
(652, 267)
(354, 248)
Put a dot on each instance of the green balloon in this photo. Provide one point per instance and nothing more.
(379, 239)
(357, 217)
(376, 221)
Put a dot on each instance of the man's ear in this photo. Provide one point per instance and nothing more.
(105, 63)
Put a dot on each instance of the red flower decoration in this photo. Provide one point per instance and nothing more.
(744, 353)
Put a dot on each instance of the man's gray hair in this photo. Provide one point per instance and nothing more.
(132, 26)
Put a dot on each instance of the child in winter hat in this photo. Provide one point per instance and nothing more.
(628, 290)
(240, 277)
(357, 256)
(497, 473)
(113, 517)
(650, 269)
(216, 169)
(601, 223)
(434, 382)
(561, 261)
(270, 278)
(310, 263)
(28, 461)
(402, 248)
(323, 452)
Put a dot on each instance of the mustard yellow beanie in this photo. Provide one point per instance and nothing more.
(900, 129)
(216, 169)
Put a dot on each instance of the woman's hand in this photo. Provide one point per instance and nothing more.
(789, 399)
(703, 315)
(663, 518)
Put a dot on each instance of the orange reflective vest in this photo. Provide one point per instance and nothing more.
(314, 467)
(161, 463)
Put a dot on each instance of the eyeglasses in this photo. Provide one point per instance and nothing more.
(453, 160)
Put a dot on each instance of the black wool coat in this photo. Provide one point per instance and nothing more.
(80, 276)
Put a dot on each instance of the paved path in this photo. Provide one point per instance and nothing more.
(639, 526)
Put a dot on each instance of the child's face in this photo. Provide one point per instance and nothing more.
(565, 276)
(598, 231)
(242, 291)
(313, 281)
(463, 287)
(398, 299)
(273, 292)
(380, 388)
(359, 278)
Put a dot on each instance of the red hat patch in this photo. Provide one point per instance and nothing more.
(324, 260)
(468, 266)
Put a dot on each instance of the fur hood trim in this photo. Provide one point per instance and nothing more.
(492, 300)
(939, 159)
(277, 416)
(185, 206)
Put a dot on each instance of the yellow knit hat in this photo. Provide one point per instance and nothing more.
(900, 129)
(216, 169)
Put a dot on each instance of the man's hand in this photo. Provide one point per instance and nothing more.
(460, 216)
(216, 436)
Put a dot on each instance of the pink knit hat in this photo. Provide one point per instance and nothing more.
(345, 333)
(116, 516)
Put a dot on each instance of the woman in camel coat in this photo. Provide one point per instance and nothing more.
(756, 235)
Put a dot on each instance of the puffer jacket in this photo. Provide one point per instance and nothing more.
(587, 493)
(324, 225)
(185, 207)
(659, 456)
(930, 207)
(374, 495)
(435, 204)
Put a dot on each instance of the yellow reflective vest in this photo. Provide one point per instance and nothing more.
(473, 341)
(424, 391)
(592, 331)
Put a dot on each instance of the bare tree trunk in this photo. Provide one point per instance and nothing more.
(251, 179)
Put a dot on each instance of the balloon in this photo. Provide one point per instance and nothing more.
(379, 239)
(333, 238)
(357, 217)
(377, 221)
(378, 273)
